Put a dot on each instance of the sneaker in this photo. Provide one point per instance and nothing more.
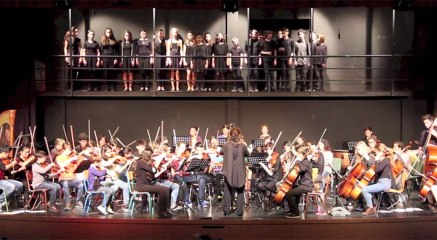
(79, 204)
(109, 210)
(52, 208)
(146, 89)
(67, 207)
(205, 204)
(292, 215)
(102, 210)
(189, 204)
(142, 89)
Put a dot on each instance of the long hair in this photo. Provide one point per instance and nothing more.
(235, 135)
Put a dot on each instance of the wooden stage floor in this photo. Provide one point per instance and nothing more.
(418, 222)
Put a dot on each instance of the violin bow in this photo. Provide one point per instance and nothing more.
(174, 137)
(122, 144)
(276, 140)
(65, 132)
(116, 130)
(48, 149)
(321, 137)
(148, 134)
(72, 136)
(295, 139)
(32, 137)
(130, 143)
(97, 139)
(157, 133)
(112, 137)
(1, 131)
(89, 130)
(162, 133)
(206, 135)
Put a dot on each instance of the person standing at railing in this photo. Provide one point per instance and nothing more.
(144, 60)
(127, 60)
(268, 54)
(285, 52)
(72, 50)
(319, 63)
(189, 46)
(253, 51)
(219, 52)
(301, 61)
(175, 50)
(91, 59)
(235, 62)
(110, 49)
(159, 48)
(200, 61)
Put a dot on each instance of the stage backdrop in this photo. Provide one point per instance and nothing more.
(344, 119)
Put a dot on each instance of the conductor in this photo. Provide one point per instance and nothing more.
(234, 170)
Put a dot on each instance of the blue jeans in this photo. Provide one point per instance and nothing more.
(174, 190)
(124, 186)
(201, 180)
(8, 189)
(382, 185)
(66, 184)
(53, 189)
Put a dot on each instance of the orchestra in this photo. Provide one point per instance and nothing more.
(194, 169)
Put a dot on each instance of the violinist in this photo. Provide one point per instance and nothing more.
(400, 162)
(39, 170)
(194, 136)
(198, 176)
(25, 160)
(69, 178)
(83, 142)
(383, 177)
(163, 177)
(304, 182)
(57, 150)
(274, 164)
(264, 132)
(318, 161)
(146, 182)
(120, 171)
(8, 185)
(216, 169)
(96, 175)
(372, 141)
(225, 131)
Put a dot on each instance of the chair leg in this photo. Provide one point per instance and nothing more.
(378, 203)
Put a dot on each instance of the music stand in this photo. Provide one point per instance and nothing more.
(257, 143)
(256, 158)
(84, 165)
(221, 141)
(351, 145)
(197, 165)
(184, 139)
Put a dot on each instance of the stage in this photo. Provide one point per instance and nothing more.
(418, 222)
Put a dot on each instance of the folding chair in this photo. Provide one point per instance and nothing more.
(89, 194)
(3, 191)
(397, 193)
(134, 194)
(38, 196)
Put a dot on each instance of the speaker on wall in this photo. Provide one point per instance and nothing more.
(229, 5)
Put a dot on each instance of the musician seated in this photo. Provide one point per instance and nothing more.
(146, 182)
(198, 176)
(383, 176)
(303, 184)
(68, 178)
(216, 168)
(96, 175)
(163, 162)
(119, 175)
(268, 186)
(39, 180)
(10, 186)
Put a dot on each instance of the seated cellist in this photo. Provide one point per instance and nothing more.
(303, 183)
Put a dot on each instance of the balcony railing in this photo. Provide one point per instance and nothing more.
(375, 75)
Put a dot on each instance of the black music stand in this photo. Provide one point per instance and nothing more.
(197, 165)
(184, 139)
(258, 143)
(84, 165)
(221, 141)
(256, 158)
